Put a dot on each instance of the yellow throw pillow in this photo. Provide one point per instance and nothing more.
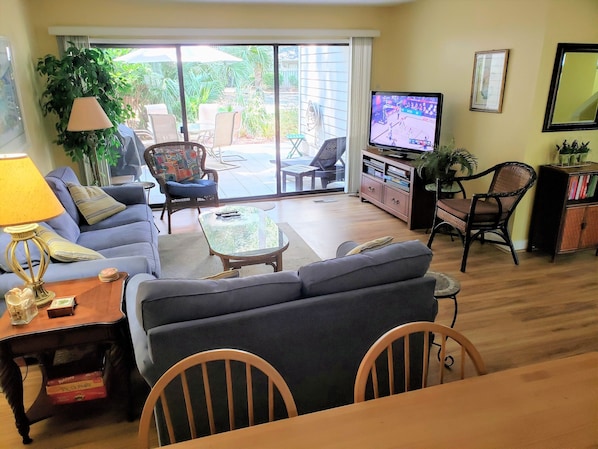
(93, 203)
(232, 273)
(372, 244)
(63, 250)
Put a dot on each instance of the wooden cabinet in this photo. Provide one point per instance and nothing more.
(393, 185)
(565, 212)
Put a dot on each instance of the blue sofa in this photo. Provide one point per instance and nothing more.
(128, 240)
(314, 326)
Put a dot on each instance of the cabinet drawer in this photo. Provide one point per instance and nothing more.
(397, 200)
(371, 188)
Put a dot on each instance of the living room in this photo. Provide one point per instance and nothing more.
(448, 32)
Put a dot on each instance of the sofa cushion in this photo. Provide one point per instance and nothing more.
(138, 232)
(65, 226)
(132, 214)
(63, 250)
(391, 263)
(164, 301)
(57, 180)
(93, 203)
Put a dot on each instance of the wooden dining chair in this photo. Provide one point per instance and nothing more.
(378, 374)
(232, 385)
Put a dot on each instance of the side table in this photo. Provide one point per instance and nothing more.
(296, 140)
(98, 319)
(446, 287)
(298, 172)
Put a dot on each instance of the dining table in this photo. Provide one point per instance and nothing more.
(550, 404)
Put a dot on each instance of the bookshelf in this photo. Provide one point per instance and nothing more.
(565, 212)
(393, 185)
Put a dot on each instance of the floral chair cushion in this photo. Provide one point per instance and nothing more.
(179, 166)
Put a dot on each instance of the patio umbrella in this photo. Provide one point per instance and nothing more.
(194, 53)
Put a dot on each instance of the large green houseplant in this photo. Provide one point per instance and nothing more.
(84, 72)
(444, 162)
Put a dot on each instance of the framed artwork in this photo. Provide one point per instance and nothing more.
(488, 82)
(12, 129)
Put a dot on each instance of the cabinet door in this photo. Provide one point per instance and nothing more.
(572, 228)
(371, 188)
(397, 200)
(589, 233)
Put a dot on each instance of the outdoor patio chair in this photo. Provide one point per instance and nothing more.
(164, 128)
(180, 170)
(224, 129)
(328, 161)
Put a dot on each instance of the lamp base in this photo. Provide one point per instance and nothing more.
(25, 234)
(43, 297)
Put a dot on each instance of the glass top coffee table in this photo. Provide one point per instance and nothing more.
(243, 235)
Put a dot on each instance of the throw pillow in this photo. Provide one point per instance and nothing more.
(179, 166)
(372, 244)
(93, 203)
(63, 250)
(232, 273)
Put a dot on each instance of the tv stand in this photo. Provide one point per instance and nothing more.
(392, 184)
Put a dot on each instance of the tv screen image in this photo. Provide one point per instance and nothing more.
(405, 121)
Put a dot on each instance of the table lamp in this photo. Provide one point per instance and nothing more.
(87, 115)
(26, 200)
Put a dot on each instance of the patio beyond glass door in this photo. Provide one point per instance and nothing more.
(262, 130)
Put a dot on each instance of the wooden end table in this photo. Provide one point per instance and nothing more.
(98, 319)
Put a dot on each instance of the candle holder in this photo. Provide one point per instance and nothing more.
(21, 305)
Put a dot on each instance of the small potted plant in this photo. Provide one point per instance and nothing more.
(444, 162)
(582, 152)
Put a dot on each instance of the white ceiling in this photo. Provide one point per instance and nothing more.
(300, 2)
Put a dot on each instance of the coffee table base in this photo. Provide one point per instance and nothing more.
(274, 261)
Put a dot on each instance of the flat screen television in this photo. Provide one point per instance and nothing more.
(406, 123)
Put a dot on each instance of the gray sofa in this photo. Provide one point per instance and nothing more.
(314, 326)
(128, 240)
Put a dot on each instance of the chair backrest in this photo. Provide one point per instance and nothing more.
(378, 374)
(164, 127)
(206, 115)
(224, 129)
(329, 154)
(158, 108)
(512, 177)
(203, 373)
(175, 161)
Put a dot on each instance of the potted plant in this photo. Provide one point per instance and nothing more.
(582, 152)
(84, 72)
(444, 162)
(564, 151)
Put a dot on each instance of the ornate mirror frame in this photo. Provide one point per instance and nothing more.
(567, 75)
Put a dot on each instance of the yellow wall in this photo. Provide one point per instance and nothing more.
(424, 45)
(15, 26)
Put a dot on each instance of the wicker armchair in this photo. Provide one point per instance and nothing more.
(490, 212)
(179, 169)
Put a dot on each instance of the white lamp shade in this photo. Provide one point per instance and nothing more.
(26, 196)
(87, 115)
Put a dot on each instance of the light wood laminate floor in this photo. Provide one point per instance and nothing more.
(515, 315)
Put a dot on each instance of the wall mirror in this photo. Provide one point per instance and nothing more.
(573, 96)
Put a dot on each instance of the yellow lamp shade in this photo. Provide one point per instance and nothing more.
(26, 196)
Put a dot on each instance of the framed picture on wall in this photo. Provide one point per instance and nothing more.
(488, 81)
(12, 129)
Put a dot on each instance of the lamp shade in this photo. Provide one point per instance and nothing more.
(87, 115)
(26, 196)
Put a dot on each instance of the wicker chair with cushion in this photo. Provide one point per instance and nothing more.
(179, 168)
(486, 212)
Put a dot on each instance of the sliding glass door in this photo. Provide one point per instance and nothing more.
(273, 117)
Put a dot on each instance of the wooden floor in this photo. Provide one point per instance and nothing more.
(515, 315)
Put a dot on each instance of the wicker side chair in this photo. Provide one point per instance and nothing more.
(179, 168)
(486, 212)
